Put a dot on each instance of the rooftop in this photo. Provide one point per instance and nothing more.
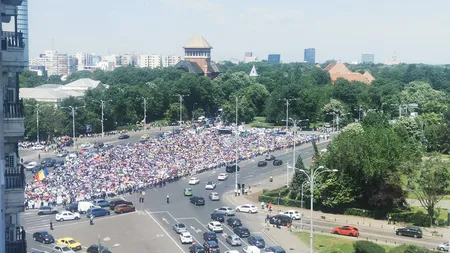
(198, 42)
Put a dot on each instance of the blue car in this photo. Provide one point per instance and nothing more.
(257, 241)
(97, 212)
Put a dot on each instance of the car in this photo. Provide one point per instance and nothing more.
(38, 147)
(99, 144)
(257, 241)
(226, 209)
(94, 248)
(198, 201)
(274, 249)
(218, 216)
(124, 136)
(194, 181)
(251, 249)
(234, 222)
(231, 168)
(295, 215)
(101, 203)
(262, 163)
(43, 237)
(66, 215)
(346, 230)
(443, 247)
(72, 207)
(97, 212)
(277, 162)
(45, 210)
(185, 237)
(233, 240)
(241, 231)
(215, 226)
(179, 228)
(247, 208)
(124, 208)
(270, 157)
(59, 163)
(284, 219)
(210, 236)
(145, 136)
(85, 145)
(37, 168)
(214, 196)
(30, 166)
(116, 202)
(187, 192)
(211, 246)
(62, 248)
(197, 248)
(70, 242)
(222, 177)
(210, 185)
(50, 163)
(415, 232)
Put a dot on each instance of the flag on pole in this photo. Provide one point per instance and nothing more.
(41, 175)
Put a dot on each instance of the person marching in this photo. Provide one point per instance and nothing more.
(168, 201)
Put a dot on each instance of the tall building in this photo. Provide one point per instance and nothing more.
(309, 55)
(197, 58)
(55, 63)
(394, 60)
(367, 58)
(170, 61)
(84, 60)
(12, 175)
(249, 57)
(275, 58)
(152, 61)
(22, 26)
(129, 59)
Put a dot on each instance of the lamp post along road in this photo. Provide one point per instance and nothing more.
(145, 113)
(312, 177)
(287, 100)
(295, 122)
(237, 147)
(73, 120)
(181, 97)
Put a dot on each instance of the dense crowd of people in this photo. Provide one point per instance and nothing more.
(115, 170)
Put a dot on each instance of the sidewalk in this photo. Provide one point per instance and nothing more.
(358, 221)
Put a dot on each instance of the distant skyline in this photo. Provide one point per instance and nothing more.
(416, 31)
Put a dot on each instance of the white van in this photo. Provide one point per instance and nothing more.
(84, 206)
(251, 249)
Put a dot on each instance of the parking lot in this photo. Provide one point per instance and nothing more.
(131, 232)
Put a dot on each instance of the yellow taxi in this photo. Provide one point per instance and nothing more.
(70, 242)
(145, 136)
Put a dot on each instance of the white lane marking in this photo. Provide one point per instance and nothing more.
(165, 220)
(176, 221)
(148, 213)
(39, 250)
(224, 244)
(123, 198)
(248, 177)
(196, 230)
(186, 218)
(116, 245)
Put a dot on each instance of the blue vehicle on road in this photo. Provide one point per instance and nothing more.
(97, 212)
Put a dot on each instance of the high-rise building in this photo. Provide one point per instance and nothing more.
(129, 59)
(150, 61)
(367, 58)
(171, 60)
(309, 55)
(275, 58)
(55, 63)
(249, 57)
(22, 26)
(12, 184)
(84, 60)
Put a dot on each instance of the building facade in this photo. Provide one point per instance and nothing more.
(12, 183)
(248, 57)
(22, 26)
(170, 60)
(275, 58)
(83, 60)
(55, 63)
(309, 55)
(129, 60)
(151, 61)
(367, 58)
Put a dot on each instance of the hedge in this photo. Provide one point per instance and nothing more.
(367, 247)
(418, 218)
(283, 201)
(409, 249)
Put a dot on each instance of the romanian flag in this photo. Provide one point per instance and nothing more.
(41, 175)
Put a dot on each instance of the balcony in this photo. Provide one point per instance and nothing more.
(12, 2)
(12, 40)
(12, 47)
(14, 121)
(13, 109)
(15, 240)
(15, 178)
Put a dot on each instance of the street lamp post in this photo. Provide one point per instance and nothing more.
(181, 102)
(287, 100)
(37, 122)
(295, 122)
(237, 147)
(73, 120)
(145, 113)
(312, 177)
(193, 106)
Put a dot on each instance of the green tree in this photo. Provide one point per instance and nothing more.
(30, 79)
(173, 113)
(245, 111)
(55, 79)
(431, 183)
(298, 178)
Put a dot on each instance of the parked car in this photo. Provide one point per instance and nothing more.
(226, 209)
(270, 157)
(262, 163)
(222, 177)
(346, 230)
(194, 181)
(50, 163)
(210, 185)
(45, 210)
(185, 237)
(415, 232)
(197, 248)
(277, 162)
(85, 145)
(116, 202)
(218, 216)
(187, 192)
(124, 208)
(231, 168)
(241, 231)
(247, 208)
(124, 136)
(101, 203)
(97, 212)
(43, 237)
(30, 166)
(44, 160)
(295, 215)
(274, 249)
(179, 228)
(210, 236)
(257, 241)
(215, 226)
(94, 248)
(62, 248)
(284, 219)
(66, 215)
(214, 196)
(234, 240)
(198, 201)
(234, 222)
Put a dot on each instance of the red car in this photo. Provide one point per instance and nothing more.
(346, 230)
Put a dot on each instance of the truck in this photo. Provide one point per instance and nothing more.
(84, 206)
(251, 249)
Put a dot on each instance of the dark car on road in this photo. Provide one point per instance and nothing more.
(232, 168)
(218, 216)
(94, 248)
(50, 163)
(211, 246)
(43, 237)
(262, 163)
(257, 241)
(124, 136)
(116, 202)
(415, 232)
(234, 222)
(284, 219)
(277, 162)
(270, 157)
(44, 160)
(45, 210)
(242, 232)
(210, 236)
(72, 207)
(198, 201)
(197, 248)
(99, 145)
(274, 249)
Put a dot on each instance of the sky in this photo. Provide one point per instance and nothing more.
(416, 31)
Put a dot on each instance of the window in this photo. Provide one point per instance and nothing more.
(10, 161)
(11, 95)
